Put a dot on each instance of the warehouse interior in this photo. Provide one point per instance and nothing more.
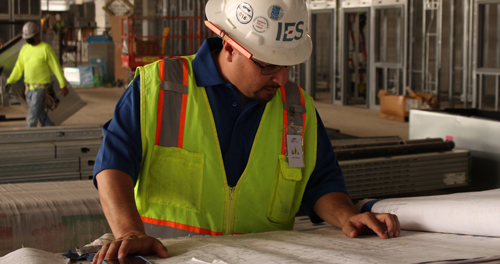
(409, 91)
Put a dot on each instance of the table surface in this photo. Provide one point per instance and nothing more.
(326, 244)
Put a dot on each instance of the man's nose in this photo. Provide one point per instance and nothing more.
(281, 76)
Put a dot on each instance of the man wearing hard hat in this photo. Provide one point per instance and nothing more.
(35, 61)
(221, 143)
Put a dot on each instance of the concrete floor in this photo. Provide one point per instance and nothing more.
(350, 120)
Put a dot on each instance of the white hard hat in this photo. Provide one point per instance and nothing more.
(30, 29)
(273, 31)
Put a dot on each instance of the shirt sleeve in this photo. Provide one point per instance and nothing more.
(55, 66)
(18, 70)
(121, 147)
(326, 177)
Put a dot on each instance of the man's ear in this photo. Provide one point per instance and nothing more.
(228, 51)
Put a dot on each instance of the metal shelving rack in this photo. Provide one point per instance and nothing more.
(485, 66)
(323, 59)
(13, 15)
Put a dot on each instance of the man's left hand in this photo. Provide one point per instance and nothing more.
(338, 210)
(64, 91)
(384, 225)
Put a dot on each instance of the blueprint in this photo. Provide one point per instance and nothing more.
(33, 256)
(472, 213)
(319, 244)
(327, 245)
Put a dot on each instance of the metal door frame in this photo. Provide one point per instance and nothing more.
(478, 73)
(322, 7)
(401, 66)
(351, 6)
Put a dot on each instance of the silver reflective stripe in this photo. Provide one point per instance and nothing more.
(173, 70)
(160, 231)
(172, 105)
(174, 87)
(293, 103)
(172, 101)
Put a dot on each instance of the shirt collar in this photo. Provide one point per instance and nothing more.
(205, 71)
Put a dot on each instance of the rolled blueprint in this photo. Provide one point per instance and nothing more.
(472, 213)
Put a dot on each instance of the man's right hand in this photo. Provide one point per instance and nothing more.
(7, 87)
(131, 243)
(64, 91)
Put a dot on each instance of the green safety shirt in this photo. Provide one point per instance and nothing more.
(36, 62)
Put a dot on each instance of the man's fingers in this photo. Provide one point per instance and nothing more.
(160, 250)
(64, 91)
(124, 249)
(398, 232)
(99, 256)
(384, 225)
(350, 230)
(131, 244)
(113, 249)
(96, 258)
(392, 223)
(374, 224)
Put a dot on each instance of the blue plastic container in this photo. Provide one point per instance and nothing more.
(98, 38)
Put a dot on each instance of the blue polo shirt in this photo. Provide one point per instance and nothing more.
(121, 147)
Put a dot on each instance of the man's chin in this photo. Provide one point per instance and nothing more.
(264, 98)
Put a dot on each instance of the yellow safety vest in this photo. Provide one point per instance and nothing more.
(182, 188)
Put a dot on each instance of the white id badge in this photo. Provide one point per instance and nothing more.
(294, 151)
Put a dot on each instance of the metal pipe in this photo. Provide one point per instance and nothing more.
(470, 65)
(384, 151)
(474, 64)
(496, 92)
(398, 36)
(342, 51)
(424, 44)
(485, 40)
(479, 90)
(410, 46)
(333, 59)
(384, 35)
(356, 55)
(465, 53)
(383, 141)
(401, 90)
(451, 67)
(437, 72)
(385, 76)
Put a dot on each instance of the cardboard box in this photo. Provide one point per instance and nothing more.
(116, 31)
(397, 107)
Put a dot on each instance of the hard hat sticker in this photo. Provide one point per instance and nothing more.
(290, 31)
(275, 12)
(260, 24)
(244, 13)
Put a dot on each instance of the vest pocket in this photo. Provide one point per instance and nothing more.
(176, 178)
(282, 199)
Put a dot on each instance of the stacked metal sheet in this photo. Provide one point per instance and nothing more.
(51, 216)
(48, 153)
(376, 167)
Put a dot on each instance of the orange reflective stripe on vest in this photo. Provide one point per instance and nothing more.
(172, 102)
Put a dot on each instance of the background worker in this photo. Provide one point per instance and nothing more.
(35, 61)
(211, 142)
